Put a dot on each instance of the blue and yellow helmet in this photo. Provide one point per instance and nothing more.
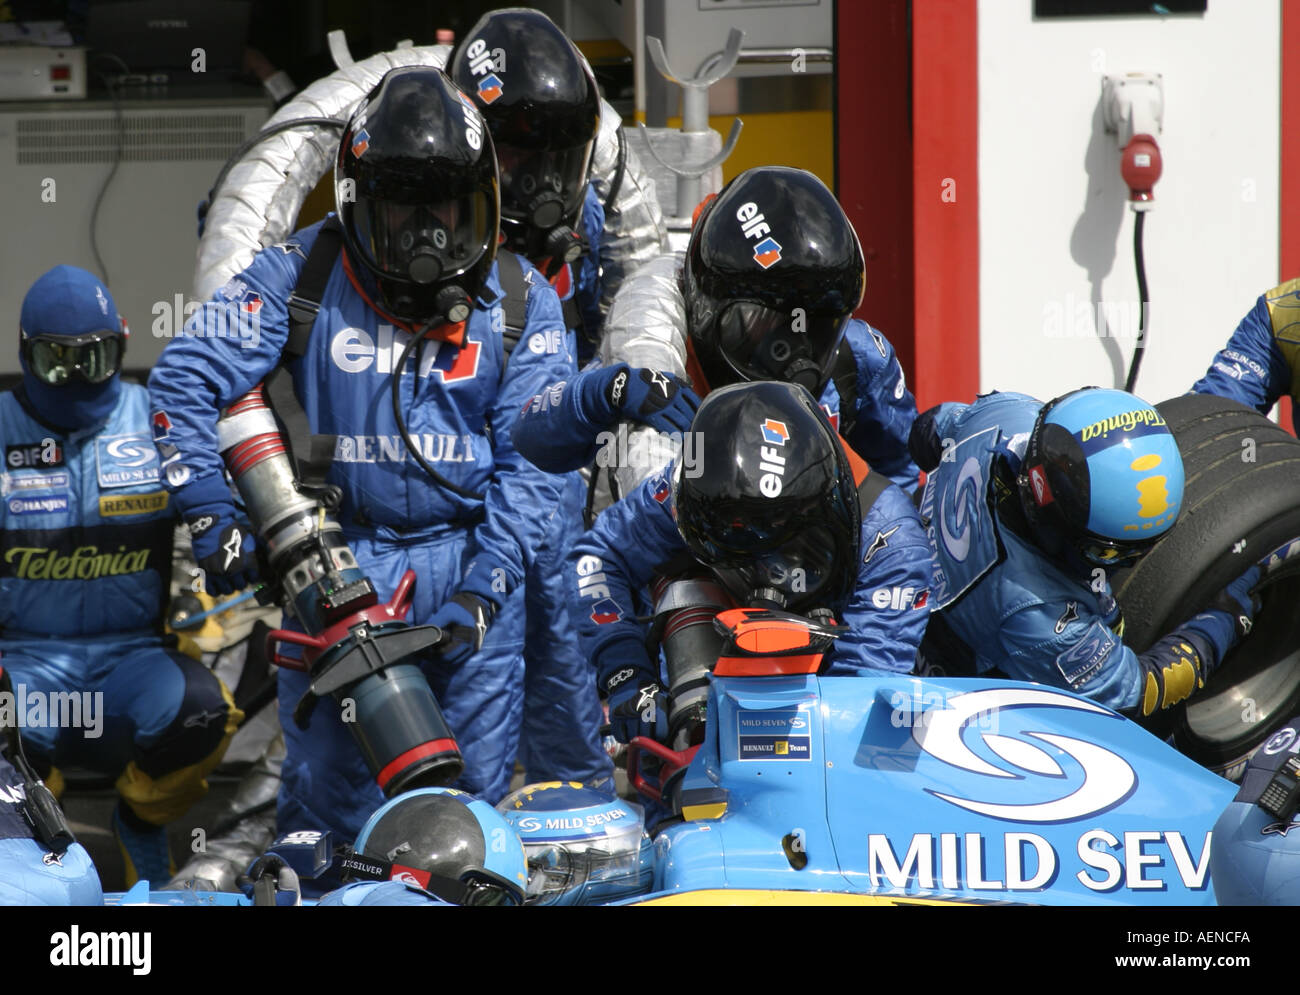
(449, 843)
(584, 847)
(1102, 471)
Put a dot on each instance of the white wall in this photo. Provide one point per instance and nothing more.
(1055, 229)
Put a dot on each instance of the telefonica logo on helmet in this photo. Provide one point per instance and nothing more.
(768, 251)
(1125, 422)
(771, 461)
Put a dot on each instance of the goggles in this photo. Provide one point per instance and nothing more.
(1110, 554)
(96, 357)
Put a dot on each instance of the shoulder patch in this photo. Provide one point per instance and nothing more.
(878, 543)
(1081, 662)
(1070, 614)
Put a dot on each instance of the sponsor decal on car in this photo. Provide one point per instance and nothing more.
(777, 734)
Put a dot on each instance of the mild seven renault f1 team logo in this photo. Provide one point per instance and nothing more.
(126, 460)
(987, 752)
(1107, 778)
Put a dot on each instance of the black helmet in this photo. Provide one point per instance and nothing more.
(416, 188)
(773, 509)
(773, 273)
(449, 843)
(541, 104)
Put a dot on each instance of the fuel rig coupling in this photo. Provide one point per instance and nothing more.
(358, 650)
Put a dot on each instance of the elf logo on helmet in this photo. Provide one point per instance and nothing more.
(489, 88)
(473, 123)
(775, 432)
(360, 142)
(482, 62)
(771, 461)
(754, 225)
(767, 253)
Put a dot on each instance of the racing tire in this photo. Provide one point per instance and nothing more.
(1241, 504)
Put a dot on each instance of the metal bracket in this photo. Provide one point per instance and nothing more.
(695, 115)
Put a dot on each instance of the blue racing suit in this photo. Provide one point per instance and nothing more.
(86, 529)
(557, 432)
(1016, 609)
(587, 283)
(29, 874)
(461, 396)
(1262, 358)
(560, 740)
(887, 611)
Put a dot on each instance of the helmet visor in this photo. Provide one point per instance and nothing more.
(423, 242)
(762, 343)
(800, 569)
(542, 187)
(95, 357)
(575, 873)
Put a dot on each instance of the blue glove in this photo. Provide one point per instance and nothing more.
(1230, 615)
(659, 400)
(1239, 600)
(464, 621)
(923, 442)
(224, 544)
(638, 703)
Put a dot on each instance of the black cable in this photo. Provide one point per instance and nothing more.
(411, 447)
(117, 161)
(1140, 263)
